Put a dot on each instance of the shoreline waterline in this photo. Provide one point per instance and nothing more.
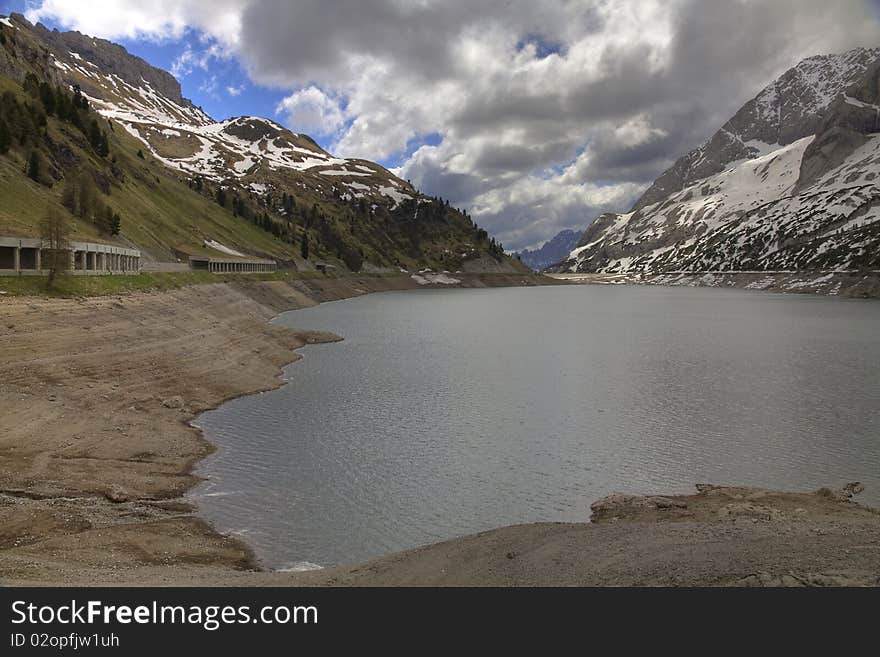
(97, 460)
(319, 337)
(299, 443)
(97, 452)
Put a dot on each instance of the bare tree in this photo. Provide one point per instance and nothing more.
(55, 234)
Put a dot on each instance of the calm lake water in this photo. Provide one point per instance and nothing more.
(446, 412)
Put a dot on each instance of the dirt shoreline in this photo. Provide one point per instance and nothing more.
(719, 536)
(851, 285)
(96, 452)
(96, 396)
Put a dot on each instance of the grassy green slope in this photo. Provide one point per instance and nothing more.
(160, 213)
(169, 215)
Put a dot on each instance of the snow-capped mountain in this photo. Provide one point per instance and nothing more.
(789, 183)
(257, 152)
(787, 109)
(89, 114)
(551, 252)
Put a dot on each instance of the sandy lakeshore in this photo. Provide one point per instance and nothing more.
(95, 399)
(96, 453)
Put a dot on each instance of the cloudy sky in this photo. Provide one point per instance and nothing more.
(536, 115)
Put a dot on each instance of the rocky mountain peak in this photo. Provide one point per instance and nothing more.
(789, 108)
(790, 183)
(109, 58)
(253, 153)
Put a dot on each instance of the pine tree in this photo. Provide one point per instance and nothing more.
(97, 138)
(5, 137)
(88, 197)
(55, 234)
(70, 195)
(32, 85)
(103, 147)
(63, 107)
(105, 220)
(47, 96)
(33, 169)
(79, 101)
(304, 248)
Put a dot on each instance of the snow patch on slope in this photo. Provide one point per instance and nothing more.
(217, 246)
(185, 138)
(748, 214)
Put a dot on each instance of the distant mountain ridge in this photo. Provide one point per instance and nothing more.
(789, 183)
(551, 252)
(148, 103)
(314, 205)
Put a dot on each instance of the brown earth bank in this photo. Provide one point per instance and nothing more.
(95, 399)
(720, 536)
(855, 285)
(96, 452)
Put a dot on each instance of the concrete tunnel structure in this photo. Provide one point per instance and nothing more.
(231, 265)
(24, 256)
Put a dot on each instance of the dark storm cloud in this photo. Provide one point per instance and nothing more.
(539, 104)
(497, 159)
(305, 40)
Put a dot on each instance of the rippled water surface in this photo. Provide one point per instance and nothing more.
(446, 412)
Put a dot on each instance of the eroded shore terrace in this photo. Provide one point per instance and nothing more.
(95, 399)
(96, 452)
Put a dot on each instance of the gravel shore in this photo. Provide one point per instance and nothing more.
(96, 453)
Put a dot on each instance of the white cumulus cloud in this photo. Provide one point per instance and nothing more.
(311, 110)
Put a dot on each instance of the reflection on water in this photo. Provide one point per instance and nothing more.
(446, 412)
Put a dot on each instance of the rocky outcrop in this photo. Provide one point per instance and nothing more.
(109, 57)
(846, 124)
(253, 130)
(827, 152)
(790, 108)
(724, 503)
(617, 505)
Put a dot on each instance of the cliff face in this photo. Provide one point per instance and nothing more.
(786, 110)
(789, 183)
(113, 59)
